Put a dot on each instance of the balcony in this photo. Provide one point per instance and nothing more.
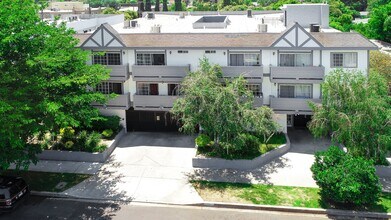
(291, 105)
(302, 74)
(152, 73)
(153, 102)
(258, 101)
(254, 74)
(118, 72)
(119, 102)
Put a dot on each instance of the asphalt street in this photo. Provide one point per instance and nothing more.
(37, 208)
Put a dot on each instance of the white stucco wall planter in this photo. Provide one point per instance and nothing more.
(383, 171)
(218, 163)
(79, 156)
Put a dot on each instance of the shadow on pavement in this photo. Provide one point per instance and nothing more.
(157, 139)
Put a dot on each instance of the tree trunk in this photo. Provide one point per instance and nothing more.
(148, 5)
(165, 8)
(140, 5)
(178, 5)
(157, 5)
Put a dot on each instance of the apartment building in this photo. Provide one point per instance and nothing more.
(284, 62)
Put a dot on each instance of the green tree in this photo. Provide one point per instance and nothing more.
(379, 24)
(178, 5)
(43, 81)
(130, 15)
(157, 5)
(165, 8)
(148, 5)
(372, 4)
(380, 62)
(356, 112)
(223, 111)
(110, 11)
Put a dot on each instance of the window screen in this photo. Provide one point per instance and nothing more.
(109, 58)
(109, 87)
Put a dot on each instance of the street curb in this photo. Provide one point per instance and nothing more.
(287, 209)
(316, 211)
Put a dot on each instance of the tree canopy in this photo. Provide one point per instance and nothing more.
(44, 81)
(223, 111)
(356, 111)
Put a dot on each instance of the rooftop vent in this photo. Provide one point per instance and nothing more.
(133, 23)
(181, 14)
(249, 13)
(126, 24)
(262, 28)
(314, 27)
(211, 22)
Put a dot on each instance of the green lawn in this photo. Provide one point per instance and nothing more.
(42, 181)
(272, 195)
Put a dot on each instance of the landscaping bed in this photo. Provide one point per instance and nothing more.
(273, 195)
(49, 182)
(277, 145)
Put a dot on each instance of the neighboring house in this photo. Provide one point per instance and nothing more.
(284, 66)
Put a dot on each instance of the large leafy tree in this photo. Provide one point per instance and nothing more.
(178, 5)
(380, 62)
(44, 81)
(223, 111)
(356, 111)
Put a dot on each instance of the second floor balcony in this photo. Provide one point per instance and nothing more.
(297, 74)
(153, 102)
(253, 74)
(159, 73)
(118, 72)
(119, 102)
(292, 105)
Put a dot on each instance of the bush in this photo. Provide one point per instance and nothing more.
(67, 133)
(202, 142)
(107, 133)
(251, 145)
(345, 180)
(266, 148)
(106, 122)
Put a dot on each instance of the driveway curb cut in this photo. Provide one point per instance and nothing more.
(315, 211)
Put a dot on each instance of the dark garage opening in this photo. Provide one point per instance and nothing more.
(301, 121)
(150, 121)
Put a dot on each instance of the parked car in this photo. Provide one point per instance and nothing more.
(13, 191)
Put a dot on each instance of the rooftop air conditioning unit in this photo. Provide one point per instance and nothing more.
(126, 24)
(181, 14)
(150, 15)
(133, 24)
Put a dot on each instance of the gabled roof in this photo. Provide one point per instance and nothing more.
(104, 37)
(296, 37)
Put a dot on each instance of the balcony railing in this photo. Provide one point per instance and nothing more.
(302, 74)
(253, 74)
(119, 102)
(152, 73)
(153, 102)
(119, 72)
(292, 105)
(258, 101)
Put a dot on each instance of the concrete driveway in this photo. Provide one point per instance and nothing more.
(145, 166)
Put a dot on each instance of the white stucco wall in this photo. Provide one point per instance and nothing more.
(281, 120)
(193, 56)
(362, 60)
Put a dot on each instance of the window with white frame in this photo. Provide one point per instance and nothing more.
(107, 58)
(109, 87)
(345, 60)
(256, 89)
(295, 91)
(150, 59)
(295, 59)
(244, 59)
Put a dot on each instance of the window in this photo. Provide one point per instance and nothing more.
(210, 51)
(247, 59)
(295, 91)
(147, 89)
(183, 51)
(109, 87)
(173, 89)
(347, 60)
(295, 59)
(150, 59)
(256, 89)
(108, 58)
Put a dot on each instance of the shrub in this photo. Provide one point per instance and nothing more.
(107, 133)
(251, 145)
(106, 122)
(69, 144)
(345, 180)
(67, 133)
(266, 148)
(202, 140)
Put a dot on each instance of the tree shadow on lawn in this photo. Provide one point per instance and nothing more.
(256, 176)
(104, 185)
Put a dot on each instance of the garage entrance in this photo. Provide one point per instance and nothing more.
(298, 121)
(150, 121)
